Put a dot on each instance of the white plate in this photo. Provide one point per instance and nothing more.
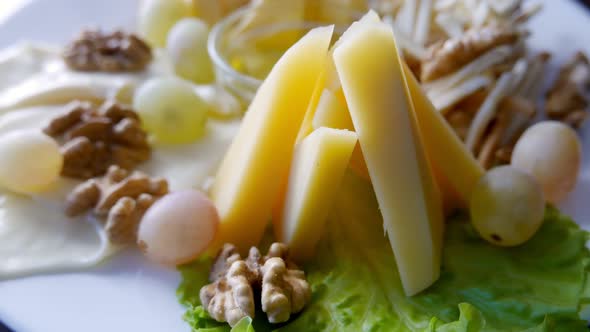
(128, 294)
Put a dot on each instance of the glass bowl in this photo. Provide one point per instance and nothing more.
(242, 60)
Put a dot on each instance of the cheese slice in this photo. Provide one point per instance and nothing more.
(331, 109)
(456, 169)
(370, 70)
(304, 130)
(319, 163)
(249, 178)
(332, 112)
(312, 107)
(357, 163)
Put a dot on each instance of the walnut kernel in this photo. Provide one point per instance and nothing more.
(94, 139)
(234, 281)
(120, 197)
(118, 51)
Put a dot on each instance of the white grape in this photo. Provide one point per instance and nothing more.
(29, 161)
(187, 47)
(552, 153)
(178, 227)
(171, 110)
(507, 206)
(156, 18)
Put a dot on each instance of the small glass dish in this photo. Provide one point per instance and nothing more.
(242, 60)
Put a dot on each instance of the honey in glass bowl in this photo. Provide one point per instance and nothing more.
(242, 58)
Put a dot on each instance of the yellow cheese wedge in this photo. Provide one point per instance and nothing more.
(304, 130)
(307, 124)
(319, 163)
(332, 80)
(332, 112)
(249, 178)
(370, 70)
(456, 169)
(357, 163)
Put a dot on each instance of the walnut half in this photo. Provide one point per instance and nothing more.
(95, 138)
(118, 51)
(284, 289)
(122, 197)
(234, 281)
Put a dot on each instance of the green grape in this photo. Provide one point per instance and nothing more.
(187, 47)
(170, 110)
(552, 153)
(178, 227)
(156, 18)
(507, 206)
(30, 161)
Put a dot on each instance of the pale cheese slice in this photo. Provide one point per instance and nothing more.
(304, 130)
(319, 163)
(332, 112)
(456, 169)
(249, 179)
(370, 70)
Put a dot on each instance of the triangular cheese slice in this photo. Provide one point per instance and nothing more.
(456, 169)
(318, 167)
(370, 70)
(304, 130)
(249, 178)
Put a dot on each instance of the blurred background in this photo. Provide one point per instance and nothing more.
(57, 29)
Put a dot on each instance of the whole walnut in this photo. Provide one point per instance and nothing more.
(230, 297)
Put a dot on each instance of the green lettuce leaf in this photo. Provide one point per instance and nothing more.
(244, 325)
(200, 321)
(193, 276)
(470, 320)
(540, 286)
